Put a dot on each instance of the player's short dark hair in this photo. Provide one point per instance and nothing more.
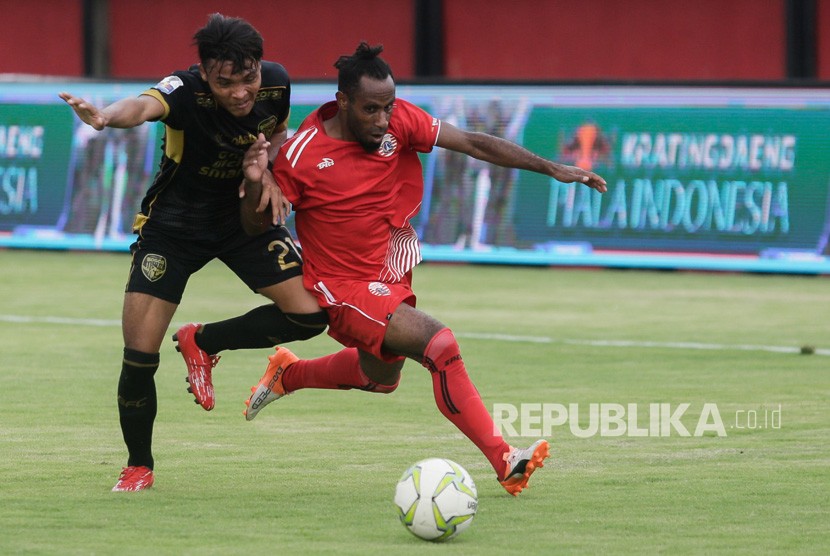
(365, 61)
(230, 39)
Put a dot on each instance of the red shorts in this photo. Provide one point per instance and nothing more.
(359, 311)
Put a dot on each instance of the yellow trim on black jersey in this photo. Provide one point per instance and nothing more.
(138, 222)
(173, 144)
(159, 97)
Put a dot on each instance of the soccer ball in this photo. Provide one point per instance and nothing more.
(436, 499)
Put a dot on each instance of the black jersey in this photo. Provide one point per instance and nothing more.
(196, 188)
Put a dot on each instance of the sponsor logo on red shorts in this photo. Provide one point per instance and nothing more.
(379, 289)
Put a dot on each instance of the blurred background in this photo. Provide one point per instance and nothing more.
(707, 118)
(559, 40)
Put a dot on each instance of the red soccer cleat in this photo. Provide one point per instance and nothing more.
(134, 478)
(199, 365)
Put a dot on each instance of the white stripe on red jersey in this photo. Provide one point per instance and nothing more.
(403, 254)
(301, 140)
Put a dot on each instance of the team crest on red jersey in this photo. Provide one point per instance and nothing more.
(379, 289)
(388, 145)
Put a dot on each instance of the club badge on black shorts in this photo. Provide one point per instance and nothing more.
(153, 266)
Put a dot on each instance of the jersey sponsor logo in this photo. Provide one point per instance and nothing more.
(169, 84)
(325, 163)
(267, 126)
(205, 101)
(153, 266)
(388, 145)
(244, 140)
(270, 94)
(379, 289)
(220, 174)
(228, 164)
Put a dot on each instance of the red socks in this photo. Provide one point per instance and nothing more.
(456, 396)
(338, 371)
(459, 401)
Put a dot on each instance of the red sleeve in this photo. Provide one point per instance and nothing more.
(422, 127)
(284, 182)
(286, 176)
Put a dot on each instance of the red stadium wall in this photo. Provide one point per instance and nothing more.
(823, 32)
(42, 38)
(306, 37)
(521, 39)
(612, 39)
(484, 39)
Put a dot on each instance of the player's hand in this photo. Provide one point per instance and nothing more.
(253, 209)
(272, 195)
(259, 190)
(88, 113)
(569, 174)
(255, 202)
(255, 162)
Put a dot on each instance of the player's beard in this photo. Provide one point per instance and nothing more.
(364, 139)
(369, 146)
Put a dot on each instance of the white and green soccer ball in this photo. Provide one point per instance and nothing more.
(436, 499)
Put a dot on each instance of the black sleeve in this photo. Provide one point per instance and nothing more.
(275, 77)
(177, 92)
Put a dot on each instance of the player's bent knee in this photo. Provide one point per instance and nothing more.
(307, 325)
(385, 388)
(441, 350)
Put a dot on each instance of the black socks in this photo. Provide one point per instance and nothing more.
(262, 327)
(137, 404)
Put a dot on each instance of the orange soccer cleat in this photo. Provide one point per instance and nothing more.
(270, 386)
(521, 463)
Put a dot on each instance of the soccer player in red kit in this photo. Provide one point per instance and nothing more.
(353, 176)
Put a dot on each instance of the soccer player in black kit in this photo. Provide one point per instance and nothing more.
(191, 214)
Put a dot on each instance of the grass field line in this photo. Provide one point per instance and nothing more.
(22, 319)
(638, 344)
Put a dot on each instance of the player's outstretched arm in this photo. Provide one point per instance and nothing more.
(508, 154)
(124, 113)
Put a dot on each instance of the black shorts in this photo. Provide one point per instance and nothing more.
(162, 263)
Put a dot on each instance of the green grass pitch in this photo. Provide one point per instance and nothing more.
(316, 472)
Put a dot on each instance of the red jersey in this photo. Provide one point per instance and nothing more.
(352, 208)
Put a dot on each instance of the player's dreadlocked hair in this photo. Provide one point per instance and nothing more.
(228, 39)
(364, 61)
